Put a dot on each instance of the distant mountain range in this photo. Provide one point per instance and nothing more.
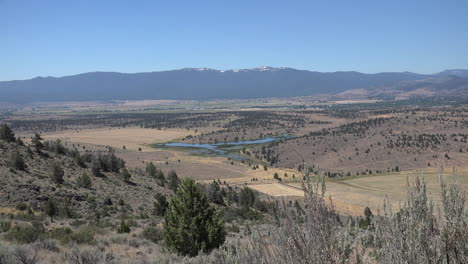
(262, 82)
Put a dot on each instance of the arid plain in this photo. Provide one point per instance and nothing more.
(367, 149)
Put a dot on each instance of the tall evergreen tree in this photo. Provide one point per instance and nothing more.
(191, 224)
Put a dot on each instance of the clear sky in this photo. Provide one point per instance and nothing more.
(64, 37)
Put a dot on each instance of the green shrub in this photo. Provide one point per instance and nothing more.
(51, 208)
(125, 174)
(67, 235)
(57, 173)
(62, 234)
(152, 234)
(160, 205)
(25, 233)
(16, 161)
(173, 180)
(83, 236)
(21, 206)
(123, 227)
(247, 197)
(4, 226)
(84, 181)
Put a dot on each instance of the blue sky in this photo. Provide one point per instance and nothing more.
(57, 38)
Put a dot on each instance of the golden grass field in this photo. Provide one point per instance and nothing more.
(278, 190)
(132, 137)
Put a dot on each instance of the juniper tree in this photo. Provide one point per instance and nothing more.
(51, 208)
(6, 133)
(151, 169)
(160, 205)
(191, 225)
(276, 176)
(96, 169)
(125, 174)
(172, 180)
(57, 173)
(246, 198)
(160, 177)
(36, 141)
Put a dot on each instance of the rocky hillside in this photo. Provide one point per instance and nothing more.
(90, 181)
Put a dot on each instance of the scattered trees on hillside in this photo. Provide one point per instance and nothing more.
(106, 162)
(55, 146)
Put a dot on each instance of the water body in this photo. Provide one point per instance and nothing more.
(225, 149)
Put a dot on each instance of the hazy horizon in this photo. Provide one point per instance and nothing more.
(228, 69)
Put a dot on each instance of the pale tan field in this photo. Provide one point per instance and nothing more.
(278, 189)
(353, 195)
(133, 137)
